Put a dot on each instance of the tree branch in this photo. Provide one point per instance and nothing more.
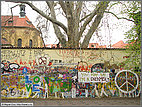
(77, 14)
(95, 24)
(78, 9)
(95, 11)
(85, 17)
(62, 4)
(43, 14)
(69, 9)
(118, 17)
(58, 33)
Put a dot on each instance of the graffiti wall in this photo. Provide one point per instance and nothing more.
(64, 73)
(41, 57)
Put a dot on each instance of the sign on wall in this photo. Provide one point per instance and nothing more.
(93, 77)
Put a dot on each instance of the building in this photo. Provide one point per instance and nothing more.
(119, 44)
(95, 45)
(53, 46)
(5, 43)
(20, 32)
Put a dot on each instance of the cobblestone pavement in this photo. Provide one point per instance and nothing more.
(78, 101)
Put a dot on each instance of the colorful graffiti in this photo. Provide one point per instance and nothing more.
(7, 67)
(58, 84)
(35, 74)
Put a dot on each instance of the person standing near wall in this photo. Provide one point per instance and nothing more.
(73, 90)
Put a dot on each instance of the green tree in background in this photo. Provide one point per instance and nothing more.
(134, 38)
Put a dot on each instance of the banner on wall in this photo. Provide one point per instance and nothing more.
(93, 77)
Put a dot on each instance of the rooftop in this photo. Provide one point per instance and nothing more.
(119, 44)
(16, 21)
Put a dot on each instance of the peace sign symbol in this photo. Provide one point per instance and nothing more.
(126, 81)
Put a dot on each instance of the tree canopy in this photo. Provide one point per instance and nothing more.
(133, 37)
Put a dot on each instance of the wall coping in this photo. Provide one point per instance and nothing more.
(63, 48)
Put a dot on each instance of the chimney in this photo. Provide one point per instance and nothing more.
(22, 11)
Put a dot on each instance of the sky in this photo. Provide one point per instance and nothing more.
(110, 32)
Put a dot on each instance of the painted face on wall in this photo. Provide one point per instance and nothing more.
(6, 66)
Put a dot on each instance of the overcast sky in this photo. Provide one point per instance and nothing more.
(115, 31)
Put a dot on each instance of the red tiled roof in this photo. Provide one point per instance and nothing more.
(102, 46)
(119, 44)
(17, 21)
(96, 45)
(93, 45)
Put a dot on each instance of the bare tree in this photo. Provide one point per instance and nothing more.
(76, 23)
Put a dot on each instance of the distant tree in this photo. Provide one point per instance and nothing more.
(133, 36)
(134, 42)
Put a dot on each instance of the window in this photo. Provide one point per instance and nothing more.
(19, 42)
(30, 43)
(92, 45)
(10, 21)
